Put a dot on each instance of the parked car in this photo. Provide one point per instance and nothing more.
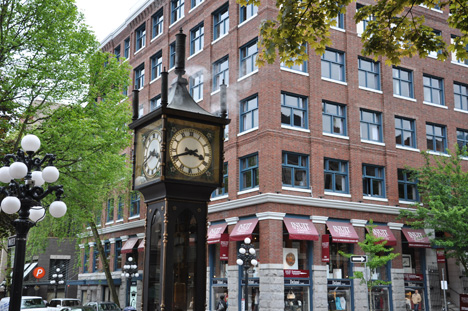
(77, 308)
(63, 302)
(28, 303)
(103, 306)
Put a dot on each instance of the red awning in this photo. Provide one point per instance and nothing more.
(214, 233)
(243, 229)
(301, 229)
(141, 246)
(385, 233)
(342, 232)
(416, 237)
(129, 245)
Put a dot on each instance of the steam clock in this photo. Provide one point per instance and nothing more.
(178, 163)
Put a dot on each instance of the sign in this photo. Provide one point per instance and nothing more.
(297, 282)
(413, 277)
(463, 302)
(339, 282)
(440, 256)
(39, 272)
(290, 258)
(290, 273)
(224, 246)
(255, 282)
(358, 259)
(325, 248)
(11, 241)
(443, 285)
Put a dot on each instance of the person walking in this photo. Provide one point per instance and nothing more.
(221, 304)
(416, 298)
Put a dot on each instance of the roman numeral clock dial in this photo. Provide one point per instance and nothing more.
(152, 154)
(190, 152)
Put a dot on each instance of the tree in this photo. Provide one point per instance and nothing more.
(395, 29)
(55, 83)
(443, 188)
(378, 254)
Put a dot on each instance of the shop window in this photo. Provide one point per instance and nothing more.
(338, 274)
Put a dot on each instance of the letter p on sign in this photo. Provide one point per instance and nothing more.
(39, 272)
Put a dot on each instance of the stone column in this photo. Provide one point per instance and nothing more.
(271, 287)
(319, 269)
(233, 287)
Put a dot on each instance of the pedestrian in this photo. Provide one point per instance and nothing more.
(221, 304)
(416, 298)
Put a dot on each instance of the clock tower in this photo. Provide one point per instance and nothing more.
(178, 162)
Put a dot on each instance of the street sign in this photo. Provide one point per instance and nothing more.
(358, 258)
(39, 272)
(11, 241)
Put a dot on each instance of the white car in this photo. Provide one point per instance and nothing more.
(59, 303)
(28, 303)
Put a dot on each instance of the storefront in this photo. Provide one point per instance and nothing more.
(414, 243)
(339, 272)
(298, 236)
(218, 246)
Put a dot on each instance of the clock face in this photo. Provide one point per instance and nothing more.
(190, 152)
(152, 154)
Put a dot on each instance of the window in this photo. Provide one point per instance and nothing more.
(302, 67)
(249, 172)
(127, 48)
(221, 22)
(140, 77)
(134, 204)
(293, 110)
(155, 102)
(362, 25)
(433, 90)
(85, 258)
(156, 65)
(371, 125)
(455, 58)
(177, 10)
(333, 65)
(336, 175)
(249, 113)
(118, 255)
(107, 248)
(117, 52)
(172, 52)
(460, 93)
(462, 139)
(196, 86)
(436, 137)
(224, 189)
(248, 57)
(247, 12)
(120, 208)
(158, 22)
(95, 258)
(196, 3)
(141, 111)
(435, 53)
(295, 169)
(407, 186)
(369, 74)
(339, 21)
(402, 82)
(405, 132)
(220, 72)
(373, 181)
(196, 39)
(334, 118)
(140, 37)
(110, 210)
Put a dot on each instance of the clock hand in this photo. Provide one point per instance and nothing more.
(195, 153)
(187, 152)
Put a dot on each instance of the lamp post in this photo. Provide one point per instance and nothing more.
(23, 194)
(246, 258)
(57, 279)
(130, 270)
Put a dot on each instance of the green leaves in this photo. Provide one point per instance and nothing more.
(396, 29)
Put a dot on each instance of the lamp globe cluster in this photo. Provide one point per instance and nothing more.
(130, 269)
(26, 167)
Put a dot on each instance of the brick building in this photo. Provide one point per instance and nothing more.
(312, 154)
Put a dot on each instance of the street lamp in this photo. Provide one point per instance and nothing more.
(23, 194)
(57, 279)
(130, 270)
(246, 258)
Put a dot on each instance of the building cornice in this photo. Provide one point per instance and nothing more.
(117, 228)
(276, 198)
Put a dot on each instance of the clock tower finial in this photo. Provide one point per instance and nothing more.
(180, 54)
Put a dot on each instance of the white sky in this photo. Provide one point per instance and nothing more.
(104, 16)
